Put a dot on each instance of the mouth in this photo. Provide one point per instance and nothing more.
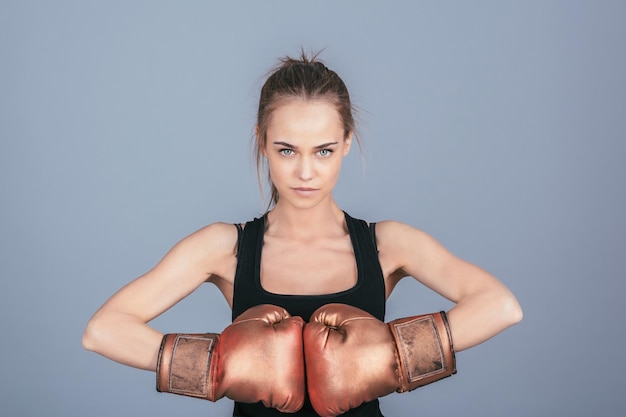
(305, 191)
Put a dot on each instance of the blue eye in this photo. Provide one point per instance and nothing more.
(286, 152)
(325, 152)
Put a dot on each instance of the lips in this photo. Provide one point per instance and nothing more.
(305, 191)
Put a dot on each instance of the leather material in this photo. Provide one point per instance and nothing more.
(351, 357)
(425, 349)
(259, 357)
(183, 365)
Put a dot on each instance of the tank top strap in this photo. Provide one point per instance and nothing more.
(239, 240)
(249, 244)
(373, 235)
(371, 297)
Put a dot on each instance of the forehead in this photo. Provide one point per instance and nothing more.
(300, 119)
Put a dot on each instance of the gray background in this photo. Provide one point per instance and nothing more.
(498, 127)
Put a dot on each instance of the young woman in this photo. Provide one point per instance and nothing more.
(305, 339)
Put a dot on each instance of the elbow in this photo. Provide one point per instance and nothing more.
(90, 335)
(512, 311)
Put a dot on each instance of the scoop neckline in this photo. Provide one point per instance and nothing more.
(359, 266)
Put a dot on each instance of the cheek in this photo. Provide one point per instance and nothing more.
(332, 169)
(277, 170)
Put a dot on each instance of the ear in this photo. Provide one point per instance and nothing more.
(347, 144)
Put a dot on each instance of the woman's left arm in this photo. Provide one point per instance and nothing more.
(484, 305)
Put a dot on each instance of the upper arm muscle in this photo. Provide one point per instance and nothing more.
(183, 269)
(417, 254)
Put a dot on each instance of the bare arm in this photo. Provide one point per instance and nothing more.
(484, 306)
(119, 330)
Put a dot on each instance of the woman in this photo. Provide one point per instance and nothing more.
(304, 129)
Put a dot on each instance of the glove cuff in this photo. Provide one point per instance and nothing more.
(184, 365)
(425, 349)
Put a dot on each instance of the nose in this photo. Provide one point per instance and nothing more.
(305, 169)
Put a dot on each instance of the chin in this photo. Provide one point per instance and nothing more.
(303, 203)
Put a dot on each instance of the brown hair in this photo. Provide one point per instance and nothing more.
(301, 78)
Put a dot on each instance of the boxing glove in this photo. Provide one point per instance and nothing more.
(352, 357)
(259, 357)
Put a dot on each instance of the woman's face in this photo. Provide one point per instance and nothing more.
(305, 147)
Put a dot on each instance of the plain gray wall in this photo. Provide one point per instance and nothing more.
(497, 127)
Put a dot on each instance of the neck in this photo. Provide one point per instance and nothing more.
(322, 220)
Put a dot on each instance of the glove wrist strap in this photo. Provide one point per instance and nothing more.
(425, 349)
(184, 365)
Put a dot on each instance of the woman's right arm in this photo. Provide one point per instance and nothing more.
(119, 330)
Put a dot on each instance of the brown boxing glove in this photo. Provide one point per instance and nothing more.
(259, 357)
(352, 357)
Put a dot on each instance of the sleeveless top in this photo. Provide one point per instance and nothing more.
(367, 294)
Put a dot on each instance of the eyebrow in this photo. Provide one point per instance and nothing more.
(290, 146)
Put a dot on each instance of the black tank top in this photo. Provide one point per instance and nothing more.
(368, 294)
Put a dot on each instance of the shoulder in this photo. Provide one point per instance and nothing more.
(218, 235)
(218, 231)
(396, 233)
(391, 234)
(406, 243)
(211, 242)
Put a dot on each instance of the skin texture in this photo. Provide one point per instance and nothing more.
(305, 148)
